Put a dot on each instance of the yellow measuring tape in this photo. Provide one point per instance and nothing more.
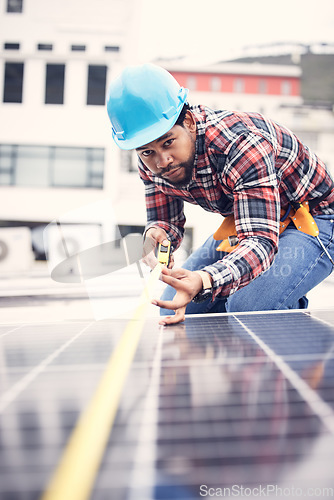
(75, 475)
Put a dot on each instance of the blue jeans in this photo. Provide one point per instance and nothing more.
(299, 266)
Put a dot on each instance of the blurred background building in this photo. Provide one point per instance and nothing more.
(56, 149)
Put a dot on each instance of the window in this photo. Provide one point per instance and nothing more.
(44, 46)
(67, 167)
(14, 6)
(286, 87)
(54, 87)
(239, 85)
(191, 82)
(13, 82)
(112, 48)
(95, 165)
(96, 89)
(51, 166)
(11, 46)
(129, 161)
(263, 87)
(215, 84)
(31, 166)
(6, 165)
(78, 48)
(77, 167)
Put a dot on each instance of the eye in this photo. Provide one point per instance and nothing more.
(147, 152)
(168, 142)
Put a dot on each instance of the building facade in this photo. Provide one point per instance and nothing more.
(55, 141)
(56, 149)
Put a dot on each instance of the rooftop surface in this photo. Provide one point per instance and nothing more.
(235, 402)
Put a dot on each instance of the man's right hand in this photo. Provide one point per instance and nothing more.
(153, 237)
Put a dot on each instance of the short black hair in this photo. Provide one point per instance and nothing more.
(182, 115)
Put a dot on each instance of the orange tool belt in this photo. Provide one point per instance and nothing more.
(298, 213)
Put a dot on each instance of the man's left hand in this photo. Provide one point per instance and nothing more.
(187, 284)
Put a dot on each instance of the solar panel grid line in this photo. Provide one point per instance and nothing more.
(201, 447)
(11, 330)
(196, 433)
(308, 357)
(245, 450)
(266, 394)
(217, 414)
(54, 369)
(12, 393)
(318, 405)
(238, 474)
(273, 312)
(298, 316)
(76, 472)
(197, 448)
(234, 361)
(181, 417)
(132, 441)
(322, 320)
(147, 434)
(296, 410)
(250, 447)
(176, 430)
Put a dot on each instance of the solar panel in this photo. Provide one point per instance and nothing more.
(227, 405)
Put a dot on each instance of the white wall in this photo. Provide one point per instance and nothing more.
(97, 24)
(62, 23)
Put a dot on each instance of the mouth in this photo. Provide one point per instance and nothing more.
(172, 174)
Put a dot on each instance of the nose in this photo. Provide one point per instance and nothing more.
(164, 160)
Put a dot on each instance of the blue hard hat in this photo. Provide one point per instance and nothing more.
(143, 103)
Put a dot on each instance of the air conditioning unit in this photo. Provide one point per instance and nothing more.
(15, 249)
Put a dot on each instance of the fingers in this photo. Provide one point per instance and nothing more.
(176, 283)
(174, 304)
(177, 278)
(172, 320)
(153, 237)
(177, 273)
(158, 235)
(171, 261)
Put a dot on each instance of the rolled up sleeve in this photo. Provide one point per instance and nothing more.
(164, 211)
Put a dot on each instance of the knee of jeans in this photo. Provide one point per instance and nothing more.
(243, 302)
(252, 302)
(235, 305)
(166, 312)
(168, 293)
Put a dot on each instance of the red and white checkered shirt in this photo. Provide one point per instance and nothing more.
(247, 165)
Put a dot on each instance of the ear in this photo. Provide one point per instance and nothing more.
(190, 122)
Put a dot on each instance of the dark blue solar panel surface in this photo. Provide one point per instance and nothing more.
(219, 404)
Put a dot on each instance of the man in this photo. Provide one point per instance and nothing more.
(237, 164)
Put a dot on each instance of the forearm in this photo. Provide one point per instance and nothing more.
(165, 212)
(250, 259)
(174, 232)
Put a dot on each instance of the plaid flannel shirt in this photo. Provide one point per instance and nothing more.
(247, 165)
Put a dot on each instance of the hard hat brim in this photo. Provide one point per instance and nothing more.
(152, 133)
